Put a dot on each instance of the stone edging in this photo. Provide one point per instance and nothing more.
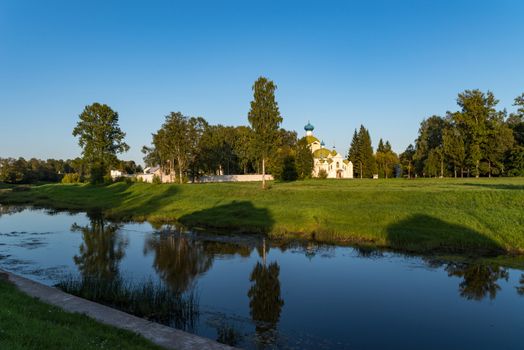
(167, 337)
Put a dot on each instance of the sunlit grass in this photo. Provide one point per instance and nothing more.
(436, 214)
(26, 323)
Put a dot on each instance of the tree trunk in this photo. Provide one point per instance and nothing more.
(361, 170)
(455, 171)
(461, 172)
(180, 170)
(477, 175)
(489, 166)
(263, 173)
(442, 168)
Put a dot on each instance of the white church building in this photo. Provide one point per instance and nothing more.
(332, 162)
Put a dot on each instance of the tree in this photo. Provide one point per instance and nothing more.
(386, 159)
(177, 144)
(361, 154)
(477, 108)
(354, 154)
(454, 148)
(243, 147)
(406, 159)
(101, 139)
(304, 159)
(265, 120)
(429, 153)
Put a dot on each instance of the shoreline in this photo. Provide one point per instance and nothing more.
(459, 216)
(164, 336)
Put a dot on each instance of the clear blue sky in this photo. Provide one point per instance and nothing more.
(384, 64)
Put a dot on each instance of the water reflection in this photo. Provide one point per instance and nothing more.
(520, 288)
(101, 250)
(479, 279)
(178, 259)
(153, 274)
(265, 300)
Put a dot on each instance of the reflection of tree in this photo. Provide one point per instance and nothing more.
(520, 288)
(178, 259)
(265, 299)
(226, 248)
(101, 250)
(479, 280)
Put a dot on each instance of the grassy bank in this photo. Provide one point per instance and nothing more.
(26, 323)
(455, 215)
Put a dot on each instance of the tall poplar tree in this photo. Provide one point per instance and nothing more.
(265, 120)
(101, 139)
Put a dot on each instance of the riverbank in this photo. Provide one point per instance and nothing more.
(474, 216)
(26, 323)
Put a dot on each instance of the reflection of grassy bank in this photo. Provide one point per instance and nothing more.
(26, 323)
(462, 215)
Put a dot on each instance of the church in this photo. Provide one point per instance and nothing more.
(332, 162)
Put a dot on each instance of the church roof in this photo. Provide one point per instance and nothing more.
(309, 127)
(311, 139)
(322, 152)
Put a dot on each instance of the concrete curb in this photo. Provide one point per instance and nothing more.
(167, 337)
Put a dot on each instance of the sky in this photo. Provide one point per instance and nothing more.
(384, 64)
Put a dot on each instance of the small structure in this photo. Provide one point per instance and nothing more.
(115, 174)
(332, 162)
(151, 172)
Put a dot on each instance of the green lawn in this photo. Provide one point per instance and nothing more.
(453, 215)
(26, 323)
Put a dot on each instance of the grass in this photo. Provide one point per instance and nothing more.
(152, 301)
(422, 215)
(26, 323)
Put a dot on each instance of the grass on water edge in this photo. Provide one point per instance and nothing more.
(26, 323)
(422, 215)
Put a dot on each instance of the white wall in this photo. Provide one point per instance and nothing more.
(233, 178)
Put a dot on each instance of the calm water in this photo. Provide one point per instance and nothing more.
(266, 295)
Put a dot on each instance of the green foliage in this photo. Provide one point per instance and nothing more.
(264, 117)
(18, 171)
(386, 160)
(157, 180)
(100, 138)
(477, 140)
(304, 159)
(71, 178)
(406, 160)
(289, 169)
(322, 174)
(361, 154)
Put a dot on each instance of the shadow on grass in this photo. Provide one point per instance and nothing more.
(240, 216)
(426, 233)
(496, 186)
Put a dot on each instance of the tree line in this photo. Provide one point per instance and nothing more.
(22, 171)
(477, 140)
(187, 147)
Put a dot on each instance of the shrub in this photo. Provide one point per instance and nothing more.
(322, 174)
(289, 169)
(71, 178)
(157, 180)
